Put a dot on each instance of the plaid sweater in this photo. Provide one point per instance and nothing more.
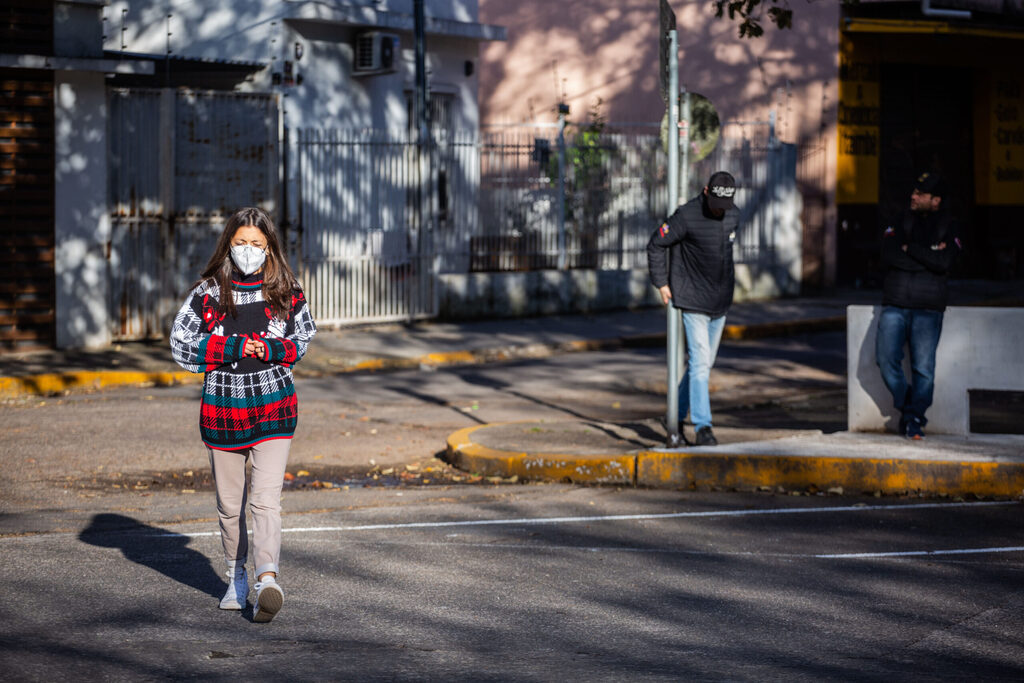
(246, 400)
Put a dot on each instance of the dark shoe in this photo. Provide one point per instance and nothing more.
(705, 437)
(914, 430)
(676, 440)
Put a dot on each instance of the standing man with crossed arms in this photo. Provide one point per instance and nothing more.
(691, 264)
(918, 252)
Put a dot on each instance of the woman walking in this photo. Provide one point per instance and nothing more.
(245, 324)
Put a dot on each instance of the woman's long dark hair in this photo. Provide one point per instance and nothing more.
(278, 279)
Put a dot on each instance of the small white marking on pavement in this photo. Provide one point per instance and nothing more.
(559, 520)
(920, 553)
(614, 518)
(542, 547)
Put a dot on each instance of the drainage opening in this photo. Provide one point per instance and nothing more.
(996, 412)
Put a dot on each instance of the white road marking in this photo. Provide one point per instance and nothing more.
(612, 518)
(538, 547)
(921, 553)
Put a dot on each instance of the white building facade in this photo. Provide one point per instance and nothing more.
(145, 123)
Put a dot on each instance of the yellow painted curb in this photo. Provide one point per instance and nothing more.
(469, 456)
(679, 469)
(55, 383)
(432, 359)
(692, 470)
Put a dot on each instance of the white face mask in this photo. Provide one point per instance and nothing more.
(248, 258)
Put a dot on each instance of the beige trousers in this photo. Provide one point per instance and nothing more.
(269, 460)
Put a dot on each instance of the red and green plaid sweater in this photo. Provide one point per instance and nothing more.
(246, 400)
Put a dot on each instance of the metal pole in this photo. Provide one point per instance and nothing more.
(424, 147)
(563, 261)
(684, 144)
(419, 31)
(674, 436)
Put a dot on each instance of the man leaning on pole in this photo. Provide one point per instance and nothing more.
(691, 265)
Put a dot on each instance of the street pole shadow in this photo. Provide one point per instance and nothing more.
(160, 550)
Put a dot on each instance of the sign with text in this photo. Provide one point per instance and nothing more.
(858, 129)
(999, 139)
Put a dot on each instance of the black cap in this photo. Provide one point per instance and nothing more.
(930, 183)
(721, 190)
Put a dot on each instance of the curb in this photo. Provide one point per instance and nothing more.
(469, 456)
(703, 470)
(56, 383)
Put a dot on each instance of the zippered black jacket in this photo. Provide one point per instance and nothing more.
(916, 278)
(691, 252)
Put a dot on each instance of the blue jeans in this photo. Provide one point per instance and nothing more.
(703, 333)
(919, 329)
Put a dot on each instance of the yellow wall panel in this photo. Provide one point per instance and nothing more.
(857, 161)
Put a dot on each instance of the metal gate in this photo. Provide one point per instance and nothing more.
(363, 252)
(769, 241)
(180, 162)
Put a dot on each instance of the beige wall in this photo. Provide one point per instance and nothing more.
(582, 50)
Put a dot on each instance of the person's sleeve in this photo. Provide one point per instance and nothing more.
(893, 255)
(938, 261)
(196, 350)
(668, 233)
(301, 328)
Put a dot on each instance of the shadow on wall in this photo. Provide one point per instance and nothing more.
(868, 374)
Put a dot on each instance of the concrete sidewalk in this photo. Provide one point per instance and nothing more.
(405, 346)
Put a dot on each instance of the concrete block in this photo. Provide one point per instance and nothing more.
(980, 348)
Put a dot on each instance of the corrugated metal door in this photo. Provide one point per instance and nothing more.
(180, 163)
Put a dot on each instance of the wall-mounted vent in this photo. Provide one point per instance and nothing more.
(376, 53)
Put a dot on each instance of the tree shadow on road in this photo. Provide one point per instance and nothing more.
(162, 551)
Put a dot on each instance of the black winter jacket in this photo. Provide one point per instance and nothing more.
(916, 278)
(691, 252)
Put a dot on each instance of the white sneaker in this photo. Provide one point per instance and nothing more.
(238, 589)
(269, 598)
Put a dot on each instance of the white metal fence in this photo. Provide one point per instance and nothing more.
(364, 251)
(614, 193)
(181, 162)
(769, 239)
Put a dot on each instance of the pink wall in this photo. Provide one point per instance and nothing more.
(608, 49)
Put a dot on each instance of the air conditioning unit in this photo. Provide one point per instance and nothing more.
(376, 53)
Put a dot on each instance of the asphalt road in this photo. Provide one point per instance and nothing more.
(407, 570)
(87, 448)
(538, 582)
